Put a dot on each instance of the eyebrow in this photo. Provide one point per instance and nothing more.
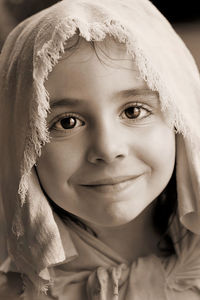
(125, 93)
(65, 102)
(137, 92)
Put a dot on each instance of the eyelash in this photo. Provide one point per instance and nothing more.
(81, 123)
(65, 116)
(140, 106)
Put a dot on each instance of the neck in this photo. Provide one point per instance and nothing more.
(134, 239)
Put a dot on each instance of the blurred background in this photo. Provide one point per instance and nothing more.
(183, 15)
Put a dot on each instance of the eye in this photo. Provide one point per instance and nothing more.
(66, 123)
(136, 111)
(132, 112)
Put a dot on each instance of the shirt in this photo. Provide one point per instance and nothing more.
(97, 272)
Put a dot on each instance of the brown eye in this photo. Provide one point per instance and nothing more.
(136, 112)
(132, 112)
(68, 123)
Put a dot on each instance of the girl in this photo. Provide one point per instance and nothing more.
(99, 156)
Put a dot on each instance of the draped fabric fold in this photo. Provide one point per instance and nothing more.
(106, 275)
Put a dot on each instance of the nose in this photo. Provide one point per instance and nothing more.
(107, 145)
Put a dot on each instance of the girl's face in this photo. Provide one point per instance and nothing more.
(111, 151)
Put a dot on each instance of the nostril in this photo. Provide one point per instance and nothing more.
(99, 159)
(106, 154)
(105, 159)
(120, 156)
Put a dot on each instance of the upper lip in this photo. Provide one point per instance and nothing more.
(111, 180)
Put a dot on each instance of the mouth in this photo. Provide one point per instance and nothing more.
(107, 185)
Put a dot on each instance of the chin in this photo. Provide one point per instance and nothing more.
(118, 214)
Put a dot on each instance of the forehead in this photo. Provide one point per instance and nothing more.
(92, 60)
(109, 51)
(86, 77)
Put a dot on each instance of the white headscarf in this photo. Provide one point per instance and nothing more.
(29, 54)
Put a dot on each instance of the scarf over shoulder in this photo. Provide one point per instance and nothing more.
(33, 238)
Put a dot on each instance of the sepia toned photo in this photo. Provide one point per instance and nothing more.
(99, 150)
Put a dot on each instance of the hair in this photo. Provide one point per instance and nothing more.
(163, 214)
(165, 204)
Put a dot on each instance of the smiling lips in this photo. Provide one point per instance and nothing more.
(108, 185)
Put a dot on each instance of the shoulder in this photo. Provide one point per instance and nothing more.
(187, 246)
(11, 286)
(183, 270)
(184, 294)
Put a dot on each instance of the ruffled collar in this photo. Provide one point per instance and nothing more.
(98, 272)
(92, 270)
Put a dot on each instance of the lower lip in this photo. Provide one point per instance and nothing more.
(111, 188)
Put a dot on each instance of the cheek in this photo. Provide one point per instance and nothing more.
(58, 163)
(159, 149)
